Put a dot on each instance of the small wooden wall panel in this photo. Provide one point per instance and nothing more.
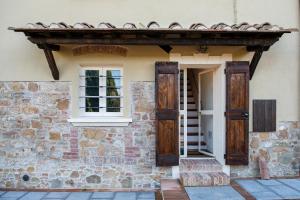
(264, 115)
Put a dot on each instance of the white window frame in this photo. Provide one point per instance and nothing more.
(102, 92)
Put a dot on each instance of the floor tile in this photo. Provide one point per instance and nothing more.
(1, 193)
(34, 196)
(146, 195)
(293, 183)
(252, 186)
(285, 192)
(13, 194)
(52, 199)
(79, 195)
(102, 195)
(58, 195)
(102, 199)
(269, 182)
(8, 198)
(265, 195)
(213, 193)
(146, 198)
(125, 196)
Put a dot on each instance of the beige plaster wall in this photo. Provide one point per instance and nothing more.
(277, 75)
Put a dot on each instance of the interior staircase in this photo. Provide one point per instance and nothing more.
(202, 172)
(192, 122)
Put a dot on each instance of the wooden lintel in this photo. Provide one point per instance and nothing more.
(166, 48)
(51, 62)
(53, 47)
(256, 57)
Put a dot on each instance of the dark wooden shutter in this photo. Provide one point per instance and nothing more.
(237, 112)
(166, 80)
(264, 115)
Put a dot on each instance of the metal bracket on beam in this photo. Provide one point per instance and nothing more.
(50, 58)
(256, 57)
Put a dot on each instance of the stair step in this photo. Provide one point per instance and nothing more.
(191, 179)
(190, 129)
(195, 143)
(192, 117)
(190, 121)
(189, 106)
(192, 114)
(191, 133)
(189, 92)
(188, 96)
(190, 125)
(194, 152)
(189, 100)
(192, 110)
(200, 165)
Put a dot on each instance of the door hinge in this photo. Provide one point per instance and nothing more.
(225, 114)
(225, 156)
(225, 71)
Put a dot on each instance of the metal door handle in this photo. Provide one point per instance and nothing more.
(245, 114)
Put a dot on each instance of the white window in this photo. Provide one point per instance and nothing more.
(101, 91)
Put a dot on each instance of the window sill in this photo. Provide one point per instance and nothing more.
(100, 121)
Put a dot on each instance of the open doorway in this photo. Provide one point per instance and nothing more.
(196, 112)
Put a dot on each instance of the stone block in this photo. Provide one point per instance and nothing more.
(63, 104)
(28, 133)
(54, 136)
(93, 179)
(96, 134)
(33, 87)
(254, 144)
(36, 124)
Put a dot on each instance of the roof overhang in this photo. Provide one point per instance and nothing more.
(50, 39)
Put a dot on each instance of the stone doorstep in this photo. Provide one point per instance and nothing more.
(200, 165)
(204, 179)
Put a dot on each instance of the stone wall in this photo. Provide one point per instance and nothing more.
(37, 140)
(280, 149)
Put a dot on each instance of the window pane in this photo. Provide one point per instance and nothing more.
(113, 104)
(113, 73)
(92, 83)
(92, 78)
(113, 78)
(92, 91)
(113, 92)
(92, 104)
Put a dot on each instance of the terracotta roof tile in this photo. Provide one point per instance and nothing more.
(154, 25)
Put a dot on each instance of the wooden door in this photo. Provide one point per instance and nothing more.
(167, 112)
(237, 112)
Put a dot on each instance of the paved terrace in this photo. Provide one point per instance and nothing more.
(77, 195)
(239, 190)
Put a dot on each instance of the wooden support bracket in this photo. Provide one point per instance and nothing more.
(256, 57)
(50, 59)
(166, 48)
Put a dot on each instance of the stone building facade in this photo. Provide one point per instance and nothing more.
(281, 150)
(36, 140)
